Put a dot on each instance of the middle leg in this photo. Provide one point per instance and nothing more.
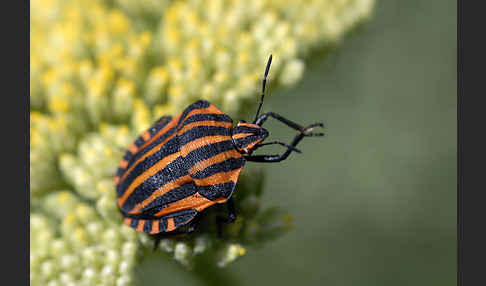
(226, 220)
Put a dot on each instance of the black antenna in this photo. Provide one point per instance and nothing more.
(263, 87)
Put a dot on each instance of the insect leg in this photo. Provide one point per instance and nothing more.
(157, 238)
(279, 143)
(231, 217)
(305, 132)
(275, 158)
(262, 118)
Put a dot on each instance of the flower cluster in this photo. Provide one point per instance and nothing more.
(72, 245)
(49, 136)
(103, 71)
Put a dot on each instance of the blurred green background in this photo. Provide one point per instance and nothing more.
(374, 202)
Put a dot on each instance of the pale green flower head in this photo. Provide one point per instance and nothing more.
(102, 72)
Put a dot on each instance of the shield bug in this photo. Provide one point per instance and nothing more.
(185, 164)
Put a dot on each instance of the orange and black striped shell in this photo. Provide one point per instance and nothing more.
(177, 168)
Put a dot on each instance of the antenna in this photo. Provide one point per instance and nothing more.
(263, 87)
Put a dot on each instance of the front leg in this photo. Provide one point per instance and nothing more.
(275, 158)
(304, 132)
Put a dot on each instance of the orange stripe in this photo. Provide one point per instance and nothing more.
(156, 148)
(189, 202)
(164, 189)
(205, 123)
(208, 110)
(116, 180)
(152, 151)
(183, 180)
(127, 221)
(219, 178)
(193, 145)
(146, 135)
(214, 160)
(211, 109)
(249, 125)
(203, 141)
(145, 175)
(166, 128)
(251, 145)
(140, 225)
(123, 164)
(161, 132)
(241, 135)
(133, 149)
(170, 224)
(195, 201)
(216, 201)
(155, 227)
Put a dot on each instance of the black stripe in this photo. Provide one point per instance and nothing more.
(171, 196)
(251, 142)
(245, 129)
(197, 105)
(134, 223)
(156, 127)
(120, 172)
(139, 142)
(177, 168)
(202, 131)
(167, 149)
(170, 147)
(182, 217)
(245, 141)
(146, 214)
(207, 117)
(149, 147)
(182, 212)
(162, 225)
(147, 226)
(206, 152)
(159, 124)
(225, 166)
(128, 155)
(217, 191)
(173, 171)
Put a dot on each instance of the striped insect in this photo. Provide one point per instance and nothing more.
(183, 165)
